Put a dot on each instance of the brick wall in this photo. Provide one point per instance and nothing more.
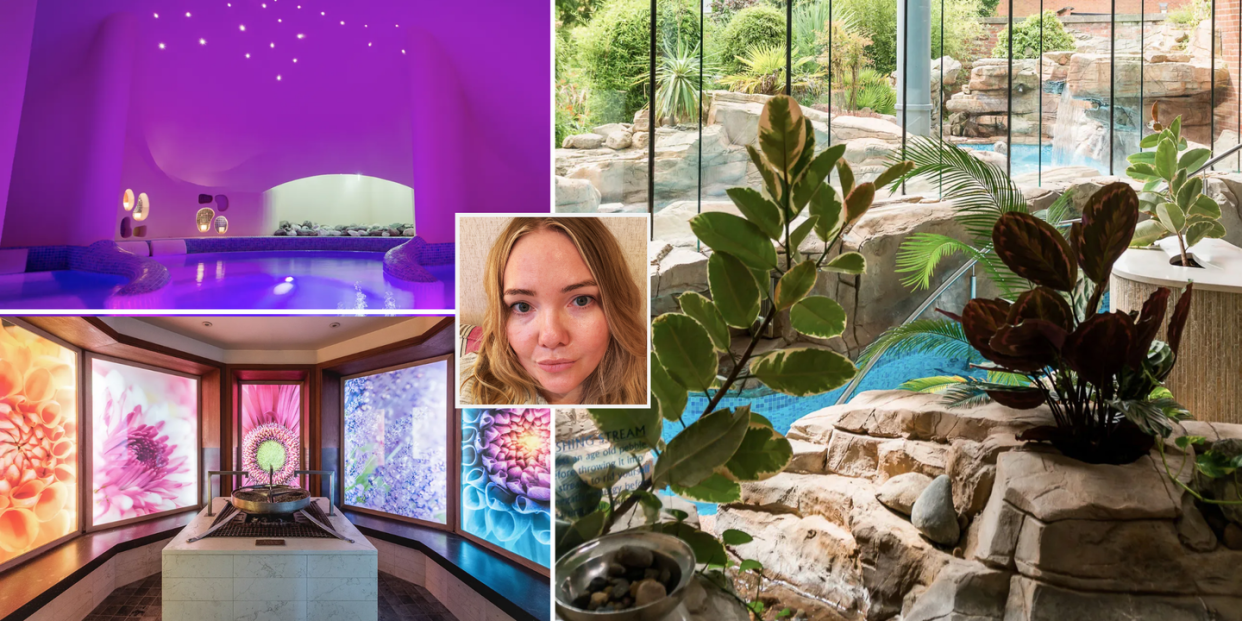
(1023, 8)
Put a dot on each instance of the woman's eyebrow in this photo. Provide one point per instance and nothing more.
(519, 292)
(580, 285)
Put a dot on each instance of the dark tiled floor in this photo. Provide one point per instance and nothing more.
(398, 601)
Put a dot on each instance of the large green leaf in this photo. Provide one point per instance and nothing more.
(795, 284)
(1166, 159)
(602, 470)
(1199, 230)
(735, 537)
(570, 536)
(671, 395)
(734, 290)
(763, 454)
(725, 232)
(685, 350)
(716, 488)
(633, 430)
(1191, 160)
(847, 263)
(781, 132)
(695, 453)
(1171, 216)
(802, 372)
(1148, 141)
(758, 210)
(846, 175)
(769, 178)
(1189, 191)
(857, 202)
(827, 211)
(893, 173)
(705, 312)
(1142, 171)
(1034, 250)
(813, 179)
(798, 235)
(1147, 232)
(1204, 206)
(707, 549)
(818, 316)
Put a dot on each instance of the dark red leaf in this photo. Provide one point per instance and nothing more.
(980, 320)
(1108, 221)
(950, 315)
(1148, 325)
(1018, 398)
(1034, 250)
(1024, 345)
(1042, 303)
(1100, 347)
(1177, 322)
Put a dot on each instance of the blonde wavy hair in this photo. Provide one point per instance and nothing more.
(621, 377)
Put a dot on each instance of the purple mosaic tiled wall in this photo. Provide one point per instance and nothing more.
(259, 244)
(438, 254)
(106, 257)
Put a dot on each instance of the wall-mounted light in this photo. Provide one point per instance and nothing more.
(203, 219)
(142, 207)
(127, 200)
(222, 224)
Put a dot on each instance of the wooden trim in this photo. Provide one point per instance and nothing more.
(444, 323)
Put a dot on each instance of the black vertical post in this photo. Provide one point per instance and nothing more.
(1112, 71)
(702, 47)
(1212, 112)
(1009, 101)
(1039, 128)
(830, 16)
(905, 80)
(651, 125)
(940, 107)
(789, 47)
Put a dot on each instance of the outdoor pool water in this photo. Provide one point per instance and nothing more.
(1027, 158)
(888, 373)
(319, 280)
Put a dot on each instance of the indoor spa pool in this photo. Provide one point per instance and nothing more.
(240, 280)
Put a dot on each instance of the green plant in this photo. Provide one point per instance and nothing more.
(574, 12)
(763, 72)
(1171, 194)
(962, 27)
(876, 20)
(869, 90)
(846, 63)
(613, 49)
(677, 79)
(572, 95)
(1098, 373)
(750, 283)
(751, 28)
(1215, 473)
(1026, 42)
(1191, 14)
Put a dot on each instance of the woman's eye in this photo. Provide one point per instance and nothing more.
(582, 300)
(520, 307)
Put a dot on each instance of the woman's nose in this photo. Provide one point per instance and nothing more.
(552, 330)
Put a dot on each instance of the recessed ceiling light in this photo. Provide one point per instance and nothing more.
(278, 78)
(334, 324)
(295, 60)
(342, 22)
(157, 16)
(402, 51)
(247, 55)
(279, 21)
(202, 41)
(187, 13)
(206, 324)
(301, 36)
(273, 45)
(368, 44)
(242, 28)
(161, 46)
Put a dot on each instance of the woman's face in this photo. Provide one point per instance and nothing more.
(556, 325)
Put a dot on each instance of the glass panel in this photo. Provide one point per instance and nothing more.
(38, 441)
(679, 150)
(602, 70)
(506, 488)
(144, 441)
(271, 428)
(1229, 111)
(396, 430)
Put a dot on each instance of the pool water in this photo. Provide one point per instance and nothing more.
(888, 373)
(1027, 158)
(316, 280)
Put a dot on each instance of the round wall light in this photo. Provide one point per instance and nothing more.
(203, 219)
(142, 207)
(222, 224)
(127, 200)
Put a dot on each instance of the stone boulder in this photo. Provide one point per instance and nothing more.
(963, 591)
(900, 492)
(583, 141)
(618, 140)
(933, 512)
(576, 196)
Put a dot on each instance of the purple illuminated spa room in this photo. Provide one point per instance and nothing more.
(300, 468)
(261, 154)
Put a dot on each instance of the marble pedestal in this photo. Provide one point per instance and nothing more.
(230, 578)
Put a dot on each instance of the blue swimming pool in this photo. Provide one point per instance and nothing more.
(318, 280)
(1027, 158)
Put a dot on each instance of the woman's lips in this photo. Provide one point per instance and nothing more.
(555, 365)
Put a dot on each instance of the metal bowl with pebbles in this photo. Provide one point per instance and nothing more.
(631, 576)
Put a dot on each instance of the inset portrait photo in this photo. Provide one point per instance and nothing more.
(552, 309)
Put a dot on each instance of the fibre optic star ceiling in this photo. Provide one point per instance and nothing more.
(249, 94)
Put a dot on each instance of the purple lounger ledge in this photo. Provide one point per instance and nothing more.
(106, 257)
(403, 262)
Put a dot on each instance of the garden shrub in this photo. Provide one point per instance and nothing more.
(613, 51)
(1026, 38)
(749, 29)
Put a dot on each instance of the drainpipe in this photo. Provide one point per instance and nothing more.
(914, 98)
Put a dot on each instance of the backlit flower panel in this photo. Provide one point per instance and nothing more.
(506, 489)
(144, 437)
(271, 432)
(396, 447)
(38, 441)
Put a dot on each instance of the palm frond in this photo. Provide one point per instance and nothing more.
(980, 191)
(967, 394)
(921, 253)
(1008, 379)
(935, 384)
(941, 337)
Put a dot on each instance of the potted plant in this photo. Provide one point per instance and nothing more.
(708, 458)
(1099, 373)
